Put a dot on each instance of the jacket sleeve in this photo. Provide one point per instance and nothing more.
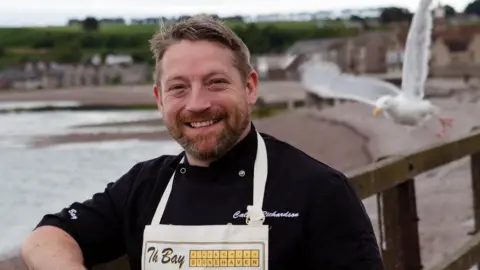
(97, 224)
(340, 235)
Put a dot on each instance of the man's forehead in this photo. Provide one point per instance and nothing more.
(180, 75)
(203, 69)
(195, 50)
(196, 59)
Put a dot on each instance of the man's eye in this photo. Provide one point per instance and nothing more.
(218, 81)
(176, 87)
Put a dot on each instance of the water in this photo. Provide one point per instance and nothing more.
(37, 104)
(17, 129)
(38, 181)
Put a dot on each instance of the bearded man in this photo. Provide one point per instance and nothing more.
(233, 198)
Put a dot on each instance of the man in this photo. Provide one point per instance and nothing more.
(233, 198)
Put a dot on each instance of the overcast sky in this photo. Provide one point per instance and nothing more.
(57, 12)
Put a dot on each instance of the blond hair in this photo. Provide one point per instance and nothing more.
(196, 28)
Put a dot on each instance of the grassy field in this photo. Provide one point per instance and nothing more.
(70, 44)
(152, 28)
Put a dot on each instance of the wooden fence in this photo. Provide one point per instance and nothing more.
(392, 179)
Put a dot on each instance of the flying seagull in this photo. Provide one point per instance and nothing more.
(406, 105)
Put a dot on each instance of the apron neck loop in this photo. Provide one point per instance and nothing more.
(255, 214)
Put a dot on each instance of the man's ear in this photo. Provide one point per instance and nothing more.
(252, 87)
(158, 97)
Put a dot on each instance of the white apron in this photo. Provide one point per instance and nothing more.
(211, 246)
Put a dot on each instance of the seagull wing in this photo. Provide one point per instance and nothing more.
(417, 52)
(326, 80)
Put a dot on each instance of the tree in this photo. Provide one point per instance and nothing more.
(46, 41)
(395, 14)
(236, 18)
(363, 22)
(449, 11)
(356, 18)
(473, 8)
(69, 52)
(183, 17)
(73, 22)
(90, 24)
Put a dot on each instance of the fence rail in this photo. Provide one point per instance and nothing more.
(392, 180)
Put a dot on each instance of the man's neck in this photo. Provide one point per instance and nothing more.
(205, 163)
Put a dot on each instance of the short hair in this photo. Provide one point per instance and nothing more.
(196, 28)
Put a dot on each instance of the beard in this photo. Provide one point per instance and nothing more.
(215, 144)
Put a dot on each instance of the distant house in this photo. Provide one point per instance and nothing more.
(277, 67)
(394, 59)
(52, 75)
(456, 51)
(20, 79)
(96, 75)
(118, 59)
(369, 51)
(456, 47)
(396, 49)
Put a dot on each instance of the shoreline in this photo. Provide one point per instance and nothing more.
(42, 141)
(52, 140)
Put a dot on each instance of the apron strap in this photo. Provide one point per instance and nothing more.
(255, 213)
(157, 217)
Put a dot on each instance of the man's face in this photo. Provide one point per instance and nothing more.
(204, 101)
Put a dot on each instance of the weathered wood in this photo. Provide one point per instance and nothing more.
(381, 176)
(463, 258)
(475, 170)
(402, 243)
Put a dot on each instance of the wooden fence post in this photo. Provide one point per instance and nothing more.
(402, 244)
(475, 169)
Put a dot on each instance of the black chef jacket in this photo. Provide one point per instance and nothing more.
(316, 219)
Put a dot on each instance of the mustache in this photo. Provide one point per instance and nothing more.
(207, 115)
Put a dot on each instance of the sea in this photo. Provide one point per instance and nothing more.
(37, 181)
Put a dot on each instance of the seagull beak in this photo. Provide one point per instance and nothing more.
(376, 111)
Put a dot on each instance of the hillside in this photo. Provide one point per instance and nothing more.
(63, 44)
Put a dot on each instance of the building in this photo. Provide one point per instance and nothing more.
(456, 52)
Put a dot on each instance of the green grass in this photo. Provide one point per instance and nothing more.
(26, 36)
(151, 28)
(71, 43)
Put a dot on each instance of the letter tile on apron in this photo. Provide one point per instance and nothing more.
(240, 247)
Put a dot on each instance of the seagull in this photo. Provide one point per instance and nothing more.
(406, 105)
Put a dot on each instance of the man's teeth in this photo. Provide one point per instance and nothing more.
(202, 124)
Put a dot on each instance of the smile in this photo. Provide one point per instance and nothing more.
(203, 123)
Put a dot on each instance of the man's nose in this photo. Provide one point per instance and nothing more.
(198, 100)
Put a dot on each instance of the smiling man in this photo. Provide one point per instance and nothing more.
(200, 95)
(234, 198)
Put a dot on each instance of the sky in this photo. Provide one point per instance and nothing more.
(57, 12)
